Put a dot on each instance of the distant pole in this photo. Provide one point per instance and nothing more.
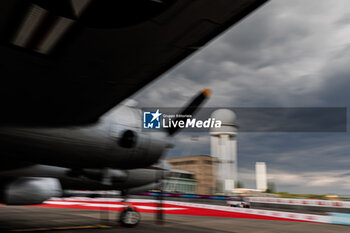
(104, 214)
(160, 214)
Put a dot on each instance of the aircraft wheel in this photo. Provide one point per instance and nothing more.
(129, 217)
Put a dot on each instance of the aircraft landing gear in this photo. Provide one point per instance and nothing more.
(129, 217)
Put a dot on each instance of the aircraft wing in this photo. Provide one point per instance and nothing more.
(68, 62)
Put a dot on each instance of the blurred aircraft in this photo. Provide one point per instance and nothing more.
(66, 63)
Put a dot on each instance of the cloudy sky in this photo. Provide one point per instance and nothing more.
(285, 54)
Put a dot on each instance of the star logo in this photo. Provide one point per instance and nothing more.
(156, 115)
(151, 120)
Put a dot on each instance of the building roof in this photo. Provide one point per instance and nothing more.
(188, 157)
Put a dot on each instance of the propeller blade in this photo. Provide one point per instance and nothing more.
(191, 108)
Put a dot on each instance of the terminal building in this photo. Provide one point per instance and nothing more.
(202, 168)
(216, 174)
(180, 181)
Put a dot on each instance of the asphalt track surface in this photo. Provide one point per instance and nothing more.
(43, 219)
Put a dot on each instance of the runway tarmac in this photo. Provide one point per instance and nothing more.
(42, 219)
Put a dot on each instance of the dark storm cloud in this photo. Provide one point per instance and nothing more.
(335, 78)
(285, 54)
(286, 119)
(296, 152)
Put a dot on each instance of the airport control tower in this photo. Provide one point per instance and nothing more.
(224, 150)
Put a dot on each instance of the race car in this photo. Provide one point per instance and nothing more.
(238, 202)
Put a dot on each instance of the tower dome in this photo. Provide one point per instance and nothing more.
(228, 121)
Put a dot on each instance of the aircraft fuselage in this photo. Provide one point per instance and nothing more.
(116, 141)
